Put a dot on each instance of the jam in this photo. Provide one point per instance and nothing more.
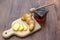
(40, 15)
(40, 20)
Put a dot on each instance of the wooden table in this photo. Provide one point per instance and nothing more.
(11, 10)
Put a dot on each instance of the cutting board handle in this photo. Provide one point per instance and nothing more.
(7, 33)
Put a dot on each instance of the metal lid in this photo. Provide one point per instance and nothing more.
(41, 12)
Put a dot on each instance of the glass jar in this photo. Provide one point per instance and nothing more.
(40, 15)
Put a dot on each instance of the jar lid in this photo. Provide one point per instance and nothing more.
(41, 12)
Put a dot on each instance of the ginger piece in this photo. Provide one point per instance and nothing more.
(15, 26)
(21, 27)
(28, 18)
(25, 28)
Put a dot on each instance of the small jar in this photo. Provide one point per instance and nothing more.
(40, 15)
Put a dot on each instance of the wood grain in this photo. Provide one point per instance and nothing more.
(11, 10)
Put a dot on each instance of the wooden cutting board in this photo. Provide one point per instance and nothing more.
(10, 32)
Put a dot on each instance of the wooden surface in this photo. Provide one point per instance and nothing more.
(11, 10)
